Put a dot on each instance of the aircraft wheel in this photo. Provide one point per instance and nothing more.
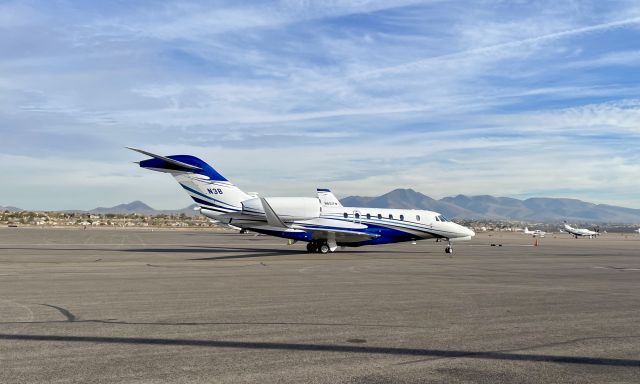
(311, 247)
(324, 248)
(448, 250)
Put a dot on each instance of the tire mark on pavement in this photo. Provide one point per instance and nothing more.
(66, 313)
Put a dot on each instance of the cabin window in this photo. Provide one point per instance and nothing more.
(368, 216)
(357, 215)
(379, 216)
(401, 217)
(346, 215)
(390, 216)
(417, 217)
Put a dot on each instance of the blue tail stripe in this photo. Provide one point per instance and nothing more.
(208, 197)
(209, 205)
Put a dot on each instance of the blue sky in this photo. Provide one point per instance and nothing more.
(510, 98)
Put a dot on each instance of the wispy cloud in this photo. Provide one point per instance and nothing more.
(506, 48)
(507, 98)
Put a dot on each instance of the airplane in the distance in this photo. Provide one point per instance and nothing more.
(580, 232)
(534, 233)
(320, 221)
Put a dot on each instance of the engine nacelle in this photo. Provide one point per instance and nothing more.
(287, 208)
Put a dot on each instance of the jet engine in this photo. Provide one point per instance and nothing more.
(287, 208)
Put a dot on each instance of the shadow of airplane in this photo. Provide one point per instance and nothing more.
(231, 252)
(436, 353)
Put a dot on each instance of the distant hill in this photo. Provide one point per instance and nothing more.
(407, 198)
(10, 209)
(124, 209)
(132, 207)
(507, 208)
(143, 209)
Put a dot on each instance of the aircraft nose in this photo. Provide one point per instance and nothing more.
(467, 231)
(471, 232)
(462, 231)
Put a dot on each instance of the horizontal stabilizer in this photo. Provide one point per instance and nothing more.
(176, 163)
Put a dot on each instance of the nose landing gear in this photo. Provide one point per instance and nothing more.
(449, 248)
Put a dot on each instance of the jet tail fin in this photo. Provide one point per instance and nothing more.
(208, 188)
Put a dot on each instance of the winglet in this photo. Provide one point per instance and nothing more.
(272, 217)
(167, 159)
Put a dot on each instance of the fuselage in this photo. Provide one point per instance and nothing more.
(534, 233)
(580, 231)
(383, 224)
(396, 225)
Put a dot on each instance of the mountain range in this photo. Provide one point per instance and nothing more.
(142, 208)
(129, 208)
(10, 209)
(537, 209)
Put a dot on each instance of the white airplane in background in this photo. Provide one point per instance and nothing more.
(578, 232)
(535, 233)
(320, 221)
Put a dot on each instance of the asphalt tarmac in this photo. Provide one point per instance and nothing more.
(136, 306)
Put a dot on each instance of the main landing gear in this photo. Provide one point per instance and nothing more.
(318, 247)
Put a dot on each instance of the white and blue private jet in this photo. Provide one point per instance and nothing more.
(320, 221)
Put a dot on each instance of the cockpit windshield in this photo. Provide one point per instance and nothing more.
(441, 218)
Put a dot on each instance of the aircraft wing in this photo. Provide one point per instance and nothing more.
(340, 230)
(320, 229)
(272, 218)
(340, 235)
